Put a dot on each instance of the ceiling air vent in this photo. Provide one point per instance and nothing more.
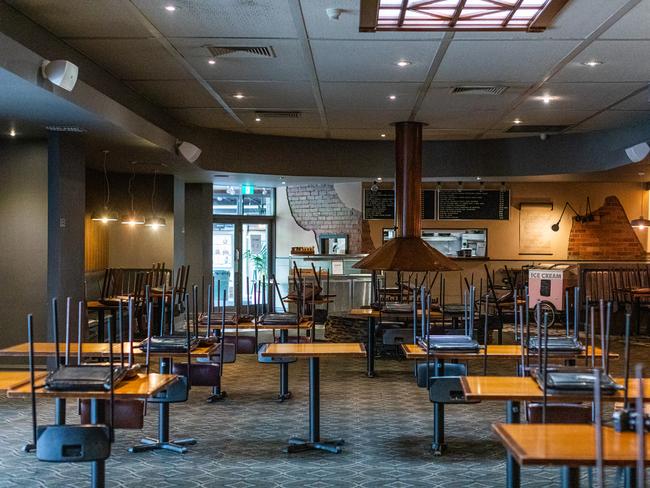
(65, 128)
(478, 90)
(278, 114)
(242, 51)
(538, 129)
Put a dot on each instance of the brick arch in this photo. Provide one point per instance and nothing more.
(318, 208)
(609, 237)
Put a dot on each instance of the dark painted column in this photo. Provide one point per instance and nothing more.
(66, 204)
(179, 223)
(198, 231)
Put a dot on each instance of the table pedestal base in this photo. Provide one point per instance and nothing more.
(284, 396)
(217, 395)
(301, 445)
(177, 445)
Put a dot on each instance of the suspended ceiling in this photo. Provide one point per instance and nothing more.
(341, 80)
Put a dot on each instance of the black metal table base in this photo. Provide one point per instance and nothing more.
(371, 347)
(177, 445)
(314, 442)
(302, 445)
(284, 396)
(217, 395)
(513, 470)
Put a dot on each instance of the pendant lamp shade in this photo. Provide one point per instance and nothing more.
(105, 215)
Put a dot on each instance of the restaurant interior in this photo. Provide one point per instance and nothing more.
(351, 243)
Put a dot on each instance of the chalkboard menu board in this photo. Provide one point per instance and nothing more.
(429, 204)
(473, 205)
(378, 205)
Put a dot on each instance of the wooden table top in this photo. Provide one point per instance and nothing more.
(566, 445)
(142, 386)
(370, 313)
(515, 388)
(316, 349)
(497, 351)
(12, 379)
(97, 305)
(93, 349)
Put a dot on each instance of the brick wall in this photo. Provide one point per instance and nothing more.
(609, 237)
(319, 209)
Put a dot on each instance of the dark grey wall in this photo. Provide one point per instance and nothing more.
(23, 240)
(198, 231)
(179, 222)
(66, 210)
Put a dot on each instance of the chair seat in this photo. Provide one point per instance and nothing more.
(73, 443)
(447, 389)
(272, 360)
(202, 374)
(451, 369)
(394, 337)
(129, 414)
(560, 413)
(245, 344)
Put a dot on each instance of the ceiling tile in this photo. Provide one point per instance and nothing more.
(612, 119)
(81, 18)
(544, 116)
(460, 119)
(372, 60)
(640, 101)
(272, 95)
(175, 94)
(505, 61)
(623, 61)
(221, 18)
(288, 65)
(500, 134)
(319, 25)
(365, 119)
(214, 118)
(581, 96)
(369, 96)
(306, 120)
(132, 59)
(448, 134)
(576, 20)
(634, 25)
(362, 134)
(292, 132)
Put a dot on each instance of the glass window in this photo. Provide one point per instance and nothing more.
(243, 200)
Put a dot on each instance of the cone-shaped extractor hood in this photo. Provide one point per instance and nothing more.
(407, 251)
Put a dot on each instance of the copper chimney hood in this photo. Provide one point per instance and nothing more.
(407, 251)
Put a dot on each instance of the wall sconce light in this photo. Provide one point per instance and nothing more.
(588, 217)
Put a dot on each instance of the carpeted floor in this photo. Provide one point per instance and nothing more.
(386, 422)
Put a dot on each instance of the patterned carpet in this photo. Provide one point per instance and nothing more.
(386, 423)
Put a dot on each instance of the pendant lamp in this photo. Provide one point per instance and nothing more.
(105, 215)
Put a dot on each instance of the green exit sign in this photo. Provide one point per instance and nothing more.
(247, 189)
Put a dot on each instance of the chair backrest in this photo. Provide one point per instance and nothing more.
(446, 389)
(73, 443)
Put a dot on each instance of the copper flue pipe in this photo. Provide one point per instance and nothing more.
(408, 178)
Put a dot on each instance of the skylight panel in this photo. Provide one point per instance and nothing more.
(449, 15)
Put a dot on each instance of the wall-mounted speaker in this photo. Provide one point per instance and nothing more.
(60, 73)
(188, 150)
(638, 152)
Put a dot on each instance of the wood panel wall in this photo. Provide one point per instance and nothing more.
(95, 245)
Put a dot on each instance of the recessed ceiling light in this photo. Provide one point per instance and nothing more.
(379, 178)
(238, 96)
(257, 119)
(546, 98)
(592, 63)
(170, 8)
(478, 178)
(392, 97)
(211, 61)
(383, 135)
(403, 63)
(516, 121)
(12, 133)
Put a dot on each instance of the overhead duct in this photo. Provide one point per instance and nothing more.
(407, 251)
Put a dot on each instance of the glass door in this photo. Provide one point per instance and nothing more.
(241, 257)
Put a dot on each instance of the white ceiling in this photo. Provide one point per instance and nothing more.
(341, 79)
